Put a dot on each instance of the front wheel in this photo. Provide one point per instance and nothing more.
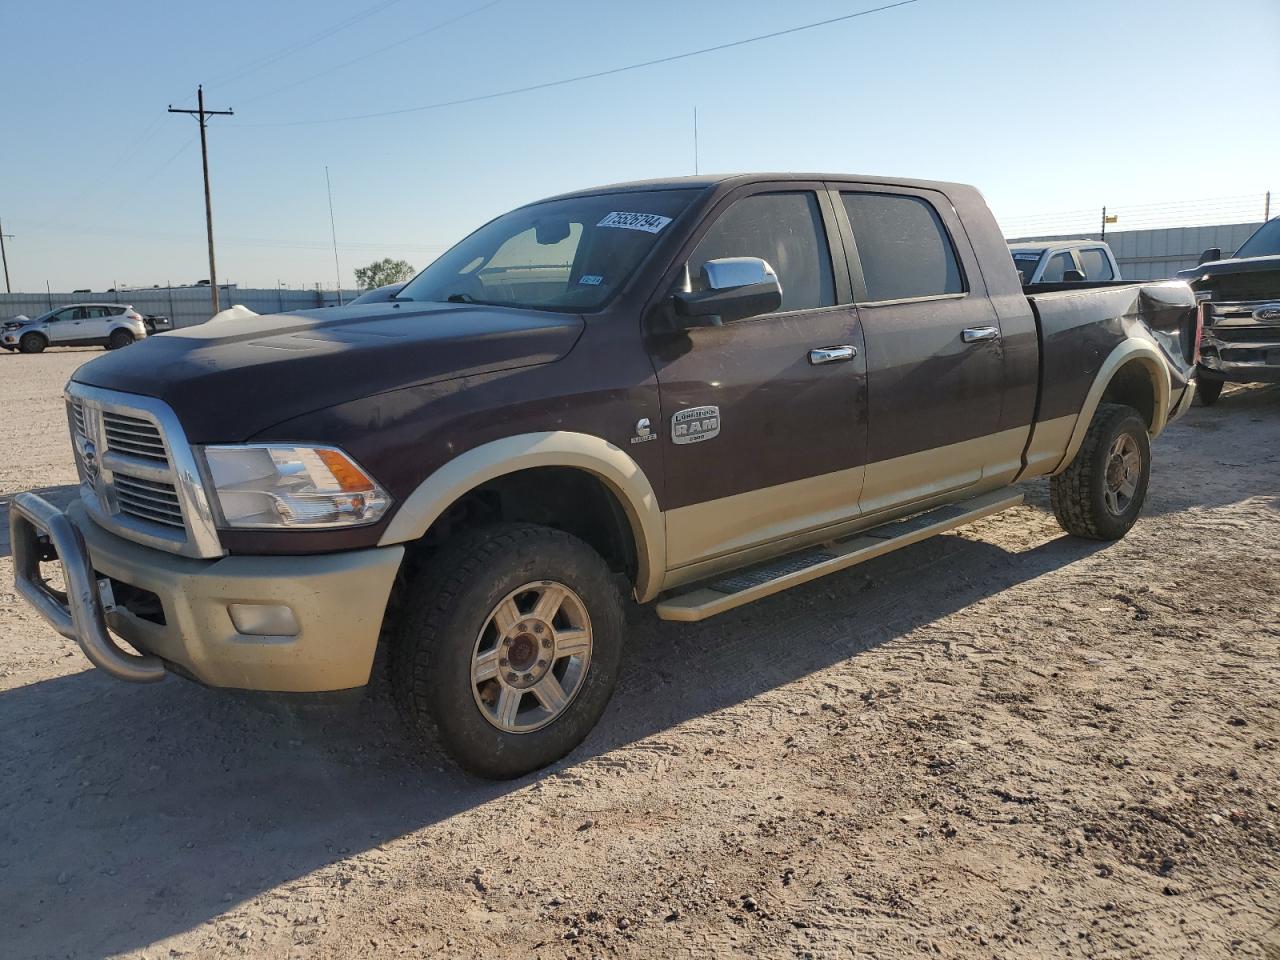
(32, 343)
(1101, 493)
(507, 647)
(118, 339)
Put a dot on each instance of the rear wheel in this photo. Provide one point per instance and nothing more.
(1208, 391)
(33, 343)
(1101, 493)
(118, 339)
(507, 647)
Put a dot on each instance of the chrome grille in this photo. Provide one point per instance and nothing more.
(135, 436)
(138, 475)
(78, 418)
(148, 500)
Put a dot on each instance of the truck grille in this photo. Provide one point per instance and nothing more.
(133, 461)
(134, 435)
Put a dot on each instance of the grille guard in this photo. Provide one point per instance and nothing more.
(77, 614)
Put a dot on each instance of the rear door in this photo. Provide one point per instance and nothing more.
(96, 324)
(763, 434)
(935, 364)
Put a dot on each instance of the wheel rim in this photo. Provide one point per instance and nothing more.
(531, 656)
(1124, 470)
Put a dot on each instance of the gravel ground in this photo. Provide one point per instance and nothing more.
(1003, 742)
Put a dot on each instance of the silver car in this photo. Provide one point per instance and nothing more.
(110, 325)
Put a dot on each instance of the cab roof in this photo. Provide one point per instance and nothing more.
(726, 180)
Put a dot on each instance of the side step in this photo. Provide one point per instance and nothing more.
(763, 580)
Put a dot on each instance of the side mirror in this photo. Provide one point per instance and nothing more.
(734, 288)
(1213, 253)
(1072, 276)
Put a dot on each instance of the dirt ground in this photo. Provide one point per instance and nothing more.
(1003, 742)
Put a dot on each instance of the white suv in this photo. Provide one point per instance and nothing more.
(110, 325)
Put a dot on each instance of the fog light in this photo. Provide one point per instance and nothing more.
(263, 620)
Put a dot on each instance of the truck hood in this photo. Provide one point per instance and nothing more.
(1230, 268)
(229, 379)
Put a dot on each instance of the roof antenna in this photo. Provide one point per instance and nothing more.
(695, 141)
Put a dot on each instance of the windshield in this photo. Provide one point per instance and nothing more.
(1265, 241)
(570, 254)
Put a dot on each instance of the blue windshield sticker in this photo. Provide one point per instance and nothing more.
(591, 279)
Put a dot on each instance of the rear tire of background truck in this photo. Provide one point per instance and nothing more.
(1101, 493)
(32, 343)
(1208, 392)
(118, 339)
(506, 647)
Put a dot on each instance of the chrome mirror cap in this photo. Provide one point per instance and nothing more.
(729, 272)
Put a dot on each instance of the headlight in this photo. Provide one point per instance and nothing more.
(264, 485)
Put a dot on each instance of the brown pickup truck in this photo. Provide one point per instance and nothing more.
(695, 391)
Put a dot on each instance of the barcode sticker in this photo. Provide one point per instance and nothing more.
(648, 222)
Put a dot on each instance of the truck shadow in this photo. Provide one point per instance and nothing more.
(131, 814)
(59, 496)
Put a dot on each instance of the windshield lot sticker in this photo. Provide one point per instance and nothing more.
(695, 424)
(591, 279)
(648, 222)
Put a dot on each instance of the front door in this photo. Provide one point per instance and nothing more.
(64, 326)
(935, 362)
(764, 435)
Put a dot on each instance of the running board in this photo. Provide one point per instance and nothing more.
(763, 580)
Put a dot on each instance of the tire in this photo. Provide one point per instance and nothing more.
(1089, 497)
(33, 343)
(118, 339)
(1208, 391)
(450, 629)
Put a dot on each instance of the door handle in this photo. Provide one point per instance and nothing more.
(819, 355)
(979, 334)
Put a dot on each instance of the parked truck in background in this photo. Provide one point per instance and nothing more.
(695, 392)
(1059, 261)
(1241, 298)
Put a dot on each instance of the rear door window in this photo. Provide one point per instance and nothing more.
(1096, 264)
(784, 229)
(904, 248)
(1057, 267)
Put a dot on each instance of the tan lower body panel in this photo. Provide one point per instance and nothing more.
(704, 602)
(733, 525)
(337, 599)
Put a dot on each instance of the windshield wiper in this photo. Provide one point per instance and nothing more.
(460, 298)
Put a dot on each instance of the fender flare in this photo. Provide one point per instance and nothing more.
(1134, 350)
(560, 448)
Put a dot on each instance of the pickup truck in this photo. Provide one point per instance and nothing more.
(1056, 261)
(695, 392)
(1241, 301)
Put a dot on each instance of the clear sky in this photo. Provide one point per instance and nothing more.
(1047, 107)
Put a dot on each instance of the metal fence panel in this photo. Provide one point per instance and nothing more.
(185, 306)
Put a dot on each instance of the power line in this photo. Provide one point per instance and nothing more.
(373, 53)
(287, 51)
(597, 74)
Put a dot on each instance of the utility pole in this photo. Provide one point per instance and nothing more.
(5, 257)
(203, 114)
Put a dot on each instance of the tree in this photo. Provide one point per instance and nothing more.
(384, 271)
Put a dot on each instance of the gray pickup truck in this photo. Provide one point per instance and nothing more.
(694, 392)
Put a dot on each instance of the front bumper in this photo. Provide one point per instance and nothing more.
(337, 600)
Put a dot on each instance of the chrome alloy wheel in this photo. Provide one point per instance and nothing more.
(531, 657)
(1124, 470)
